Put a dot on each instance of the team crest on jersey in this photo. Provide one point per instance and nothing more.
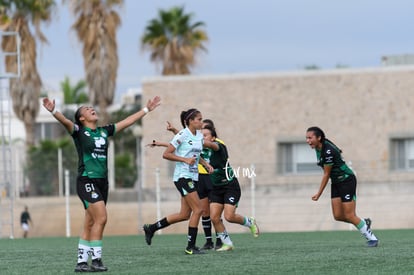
(191, 184)
(94, 195)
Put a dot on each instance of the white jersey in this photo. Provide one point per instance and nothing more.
(187, 145)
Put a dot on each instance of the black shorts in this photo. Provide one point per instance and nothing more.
(226, 194)
(345, 190)
(185, 186)
(92, 190)
(204, 186)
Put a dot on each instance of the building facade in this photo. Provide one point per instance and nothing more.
(263, 118)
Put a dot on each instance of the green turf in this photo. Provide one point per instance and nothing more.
(339, 252)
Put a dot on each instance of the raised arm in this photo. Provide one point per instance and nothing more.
(128, 121)
(51, 107)
(171, 128)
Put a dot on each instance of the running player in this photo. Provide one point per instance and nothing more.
(343, 183)
(184, 150)
(225, 193)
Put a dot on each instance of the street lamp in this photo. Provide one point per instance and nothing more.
(137, 132)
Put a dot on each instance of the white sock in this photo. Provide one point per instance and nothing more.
(225, 238)
(247, 222)
(367, 233)
(96, 249)
(83, 251)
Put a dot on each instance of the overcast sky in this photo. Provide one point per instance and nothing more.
(247, 37)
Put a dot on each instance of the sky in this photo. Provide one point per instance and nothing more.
(245, 36)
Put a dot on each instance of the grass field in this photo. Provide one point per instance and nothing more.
(339, 252)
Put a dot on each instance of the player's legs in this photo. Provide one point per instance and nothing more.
(183, 215)
(216, 209)
(193, 202)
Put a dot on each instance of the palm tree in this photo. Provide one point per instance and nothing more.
(16, 16)
(174, 41)
(96, 26)
(74, 94)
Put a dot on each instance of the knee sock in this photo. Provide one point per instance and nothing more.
(159, 225)
(192, 236)
(96, 249)
(83, 251)
(225, 238)
(206, 222)
(367, 233)
(247, 222)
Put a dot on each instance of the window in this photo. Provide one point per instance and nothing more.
(296, 158)
(402, 154)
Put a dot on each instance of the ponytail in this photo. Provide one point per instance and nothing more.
(185, 116)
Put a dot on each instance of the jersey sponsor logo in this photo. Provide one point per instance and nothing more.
(98, 156)
(328, 151)
(99, 142)
(190, 142)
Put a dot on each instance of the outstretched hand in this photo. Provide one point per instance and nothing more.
(153, 103)
(171, 128)
(49, 104)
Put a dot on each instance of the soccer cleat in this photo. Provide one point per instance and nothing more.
(82, 267)
(148, 233)
(372, 243)
(368, 222)
(254, 228)
(208, 246)
(225, 247)
(97, 266)
(193, 250)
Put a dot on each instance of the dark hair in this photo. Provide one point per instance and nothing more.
(209, 122)
(211, 129)
(319, 133)
(78, 115)
(187, 115)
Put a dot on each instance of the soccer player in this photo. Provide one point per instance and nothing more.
(184, 149)
(204, 188)
(343, 183)
(226, 192)
(91, 144)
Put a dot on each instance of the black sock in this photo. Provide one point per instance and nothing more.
(159, 225)
(192, 236)
(206, 222)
